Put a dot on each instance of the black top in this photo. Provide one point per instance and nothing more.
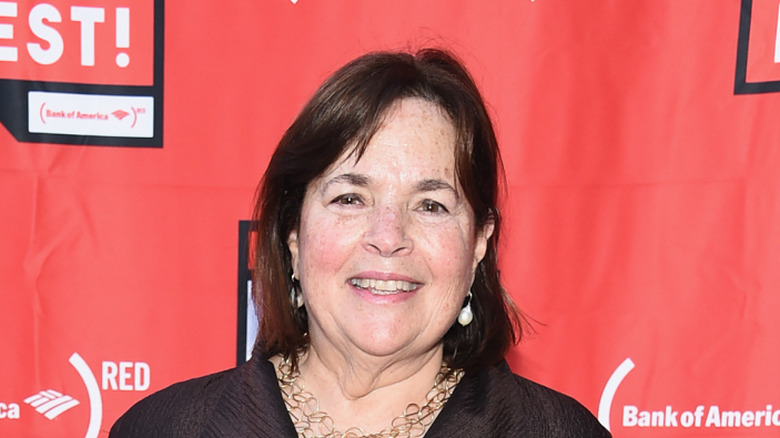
(246, 402)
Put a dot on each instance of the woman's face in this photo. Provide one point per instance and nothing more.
(387, 248)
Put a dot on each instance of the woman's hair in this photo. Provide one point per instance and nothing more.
(341, 117)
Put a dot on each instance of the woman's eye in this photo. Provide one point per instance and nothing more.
(430, 206)
(347, 199)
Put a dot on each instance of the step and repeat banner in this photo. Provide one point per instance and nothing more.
(641, 141)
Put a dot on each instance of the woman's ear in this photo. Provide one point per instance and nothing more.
(483, 237)
(292, 245)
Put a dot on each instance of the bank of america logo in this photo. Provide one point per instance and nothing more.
(51, 403)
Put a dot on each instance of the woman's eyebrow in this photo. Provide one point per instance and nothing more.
(430, 185)
(354, 179)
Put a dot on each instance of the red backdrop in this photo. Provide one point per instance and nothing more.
(642, 214)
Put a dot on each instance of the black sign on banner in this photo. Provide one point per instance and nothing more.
(247, 318)
(84, 75)
(758, 48)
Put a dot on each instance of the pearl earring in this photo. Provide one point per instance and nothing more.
(296, 297)
(466, 315)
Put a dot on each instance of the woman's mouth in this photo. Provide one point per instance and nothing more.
(384, 287)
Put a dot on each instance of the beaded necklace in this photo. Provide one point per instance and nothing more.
(311, 422)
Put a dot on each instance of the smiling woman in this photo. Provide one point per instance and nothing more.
(382, 313)
(387, 137)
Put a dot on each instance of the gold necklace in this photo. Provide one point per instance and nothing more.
(311, 422)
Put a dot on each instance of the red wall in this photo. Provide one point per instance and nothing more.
(642, 148)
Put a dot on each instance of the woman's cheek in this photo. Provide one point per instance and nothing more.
(448, 237)
(331, 239)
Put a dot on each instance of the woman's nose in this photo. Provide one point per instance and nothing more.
(387, 232)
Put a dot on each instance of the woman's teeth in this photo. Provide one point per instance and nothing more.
(383, 287)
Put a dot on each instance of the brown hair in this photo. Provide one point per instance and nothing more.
(345, 112)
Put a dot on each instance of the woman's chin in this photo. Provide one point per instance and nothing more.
(391, 344)
(389, 349)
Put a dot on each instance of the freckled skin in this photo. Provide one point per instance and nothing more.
(398, 212)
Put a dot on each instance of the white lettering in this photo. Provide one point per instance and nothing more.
(713, 417)
(123, 27)
(747, 418)
(629, 416)
(686, 419)
(670, 419)
(124, 376)
(699, 414)
(644, 419)
(109, 375)
(730, 419)
(142, 376)
(87, 16)
(8, 9)
(657, 418)
(9, 411)
(38, 14)
(777, 38)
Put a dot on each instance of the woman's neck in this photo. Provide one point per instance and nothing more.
(358, 390)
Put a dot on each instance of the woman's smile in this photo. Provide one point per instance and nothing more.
(384, 287)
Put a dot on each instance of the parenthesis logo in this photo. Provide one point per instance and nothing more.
(605, 404)
(95, 401)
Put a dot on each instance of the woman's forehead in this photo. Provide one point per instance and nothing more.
(390, 160)
(411, 127)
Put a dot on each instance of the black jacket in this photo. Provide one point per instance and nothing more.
(246, 402)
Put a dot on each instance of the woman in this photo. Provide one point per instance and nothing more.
(381, 312)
